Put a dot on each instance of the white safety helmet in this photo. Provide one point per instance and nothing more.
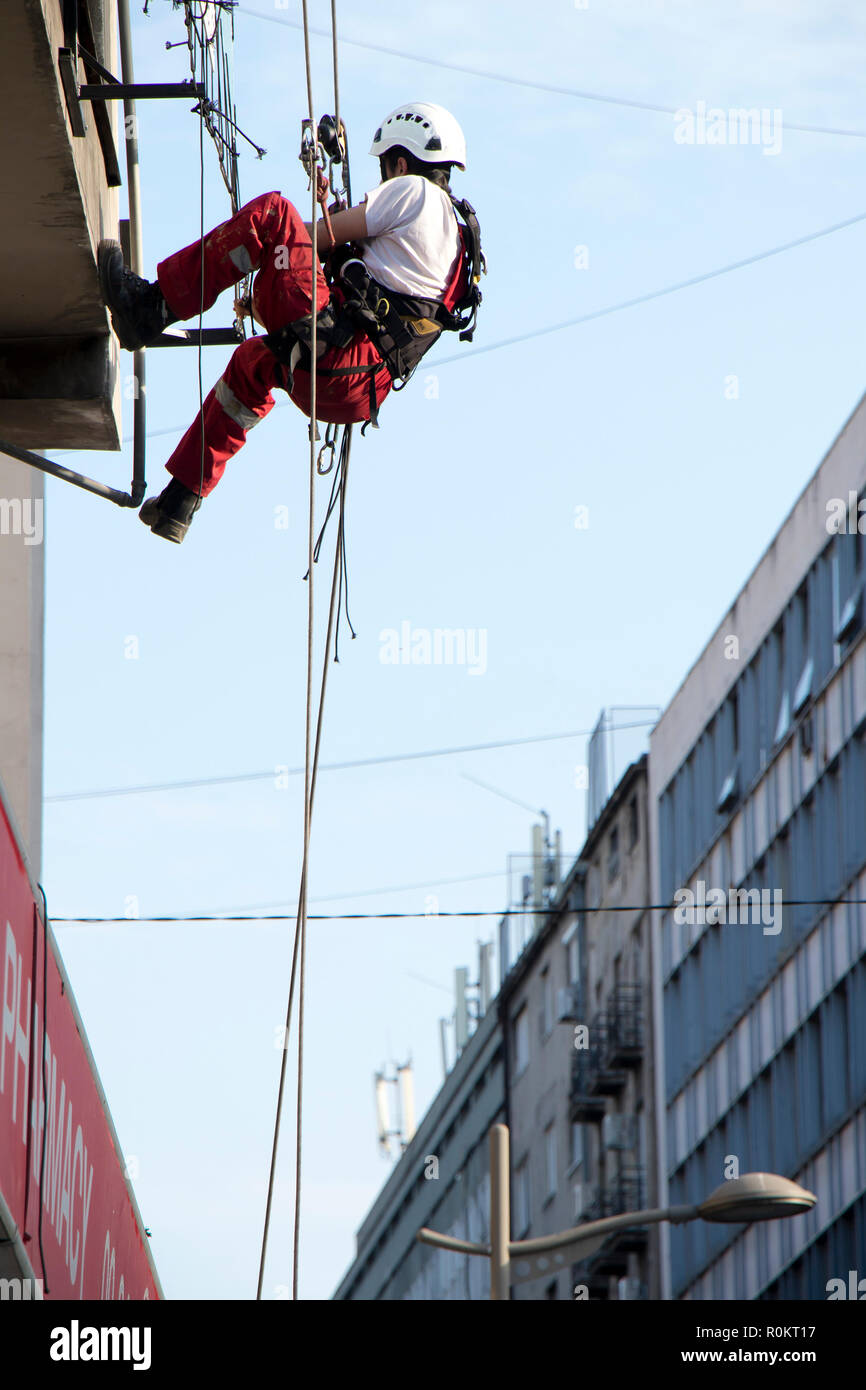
(427, 131)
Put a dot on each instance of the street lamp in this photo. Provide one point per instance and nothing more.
(753, 1197)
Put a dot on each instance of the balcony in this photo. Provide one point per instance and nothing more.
(610, 1075)
(586, 1102)
(624, 1193)
(625, 1034)
(596, 1070)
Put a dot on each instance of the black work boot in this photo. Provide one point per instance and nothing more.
(139, 313)
(169, 515)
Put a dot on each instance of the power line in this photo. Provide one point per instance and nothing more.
(311, 916)
(582, 94)
(545, 911)
(653, 294)
(335, 767)
(371, 892)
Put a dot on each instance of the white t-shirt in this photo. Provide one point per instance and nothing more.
(412, 241)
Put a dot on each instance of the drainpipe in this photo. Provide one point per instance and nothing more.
(130, 130)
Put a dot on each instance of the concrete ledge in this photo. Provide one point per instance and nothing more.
(59, 393)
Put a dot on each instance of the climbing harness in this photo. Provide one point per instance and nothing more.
(401, 327)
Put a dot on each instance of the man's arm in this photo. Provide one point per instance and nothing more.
(350, 225)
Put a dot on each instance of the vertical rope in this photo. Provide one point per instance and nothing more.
(201, 273)
(336, 66)
(299, 952)
(339, 560)
(302, 905)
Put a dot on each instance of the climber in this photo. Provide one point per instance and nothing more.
(414, 271)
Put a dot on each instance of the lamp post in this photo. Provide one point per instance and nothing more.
(753, 1197)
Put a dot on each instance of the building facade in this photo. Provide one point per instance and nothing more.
(70, 1227)
(563, 1056)
(539, 998)
(758, 786)
(612, 1093)
(580, 1094)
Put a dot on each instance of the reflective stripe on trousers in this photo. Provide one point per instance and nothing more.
(238, 412)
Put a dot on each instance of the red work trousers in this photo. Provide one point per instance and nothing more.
(268, 236)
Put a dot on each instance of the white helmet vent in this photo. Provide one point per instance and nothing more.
(442, 140)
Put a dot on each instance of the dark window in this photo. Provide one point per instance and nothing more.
(834, 1056)
(613, 854)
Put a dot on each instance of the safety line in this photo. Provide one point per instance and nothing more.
(201, 274)
(336, 67)
(301, 933)
(310, 763)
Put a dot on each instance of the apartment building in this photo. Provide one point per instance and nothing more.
(758, 786)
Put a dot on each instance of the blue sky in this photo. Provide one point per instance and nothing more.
(461, 515)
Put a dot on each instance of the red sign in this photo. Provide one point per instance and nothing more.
(59, 1132)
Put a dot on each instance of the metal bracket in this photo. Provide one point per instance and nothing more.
(191, 337)
(57, 470)
(69, 78)
(140, 91)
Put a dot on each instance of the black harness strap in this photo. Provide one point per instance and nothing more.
(402, 328)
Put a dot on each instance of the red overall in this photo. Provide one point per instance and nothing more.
(267, 235)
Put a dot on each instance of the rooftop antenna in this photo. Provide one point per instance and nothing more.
(545, 863)
(383, 1132)
(485, 961)
(443, 1042)
(407, 1102)
(461, 1017)
(395, 1109)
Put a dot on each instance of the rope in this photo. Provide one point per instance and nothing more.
(301, 933)
(210, 66)
(336, 66)
(302, 910)
(298, 972)
(201, 275)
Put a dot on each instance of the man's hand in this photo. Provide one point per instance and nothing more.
(349, 225)
(244, 309)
